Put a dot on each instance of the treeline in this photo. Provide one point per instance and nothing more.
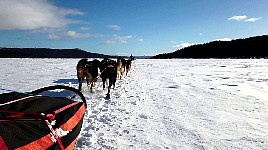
(253, 47)
(48, 53)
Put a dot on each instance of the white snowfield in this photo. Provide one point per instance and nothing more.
(162, 104)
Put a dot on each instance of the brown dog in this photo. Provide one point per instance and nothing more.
(88, 69)
(120, 67)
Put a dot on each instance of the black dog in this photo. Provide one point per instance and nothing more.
(108, 71)
(93, 70)
(128, 65)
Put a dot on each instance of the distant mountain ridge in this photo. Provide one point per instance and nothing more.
(252, 47)
(48, 53)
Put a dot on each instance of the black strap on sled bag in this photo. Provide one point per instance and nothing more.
(32, 121)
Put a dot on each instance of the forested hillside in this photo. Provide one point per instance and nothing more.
(253, 47)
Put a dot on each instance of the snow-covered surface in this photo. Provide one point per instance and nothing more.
(163, 104)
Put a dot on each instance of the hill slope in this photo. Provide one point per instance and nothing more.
(47, 53)
(253, 47)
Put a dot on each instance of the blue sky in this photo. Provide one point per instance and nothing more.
(124, 27)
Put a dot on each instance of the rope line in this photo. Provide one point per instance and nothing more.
(97, 76)
(16, 100)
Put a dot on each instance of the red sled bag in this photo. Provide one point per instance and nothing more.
(32, 121)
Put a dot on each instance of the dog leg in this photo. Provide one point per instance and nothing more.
(122, 75)
(110, 85)
(118, 75)
(80, 86)
(114, 80)
(94, 84)
(107, 82)
(89, 78)
(80, 80)
(103, 84)
(91, 88)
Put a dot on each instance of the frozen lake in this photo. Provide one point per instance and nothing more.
(162, 104)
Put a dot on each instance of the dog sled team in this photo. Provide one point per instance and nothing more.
(53, 122)
(108, 69)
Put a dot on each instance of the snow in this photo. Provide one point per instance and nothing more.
(162, 104)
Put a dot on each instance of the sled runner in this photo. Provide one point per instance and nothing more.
(33, 121)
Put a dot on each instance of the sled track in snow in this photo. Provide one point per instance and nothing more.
(100, 115)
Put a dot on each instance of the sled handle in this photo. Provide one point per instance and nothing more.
(54, 87)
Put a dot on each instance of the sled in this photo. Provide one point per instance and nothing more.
(34, 121)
